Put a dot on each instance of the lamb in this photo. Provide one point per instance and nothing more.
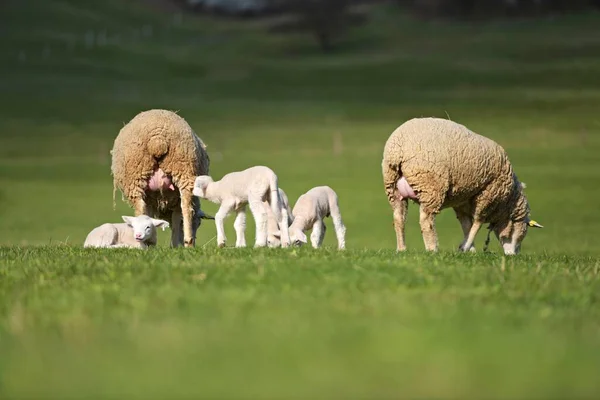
(438, 164)
(137, 232)
(310, 210)
(273, 231)
(155, 159)
(234, 192)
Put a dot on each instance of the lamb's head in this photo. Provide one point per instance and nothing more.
(274, 239)
(297, 237)
(200, 185)
(512, 230)
(144, 227)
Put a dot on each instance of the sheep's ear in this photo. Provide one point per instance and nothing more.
(534, 224)
(128, 220)
(159, 223)
(277, 234)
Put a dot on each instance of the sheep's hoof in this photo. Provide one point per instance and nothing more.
(189, 243)
(221, 245)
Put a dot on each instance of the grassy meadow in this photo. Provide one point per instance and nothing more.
(294, 323)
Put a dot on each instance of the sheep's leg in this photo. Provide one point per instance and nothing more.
(176, 228)
(224, 210)
(318, 233)
(400, 209)
(140, 207)
(260, 218)
(427, 221)
(240, 228)
(472, 233)
(466, 222)
(187, 212)
(338, 224)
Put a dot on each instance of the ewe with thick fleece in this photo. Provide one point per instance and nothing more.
(439, 164)
(273, 231)
(137, 232)
(155, 160)
(234, 192)
(310, 210)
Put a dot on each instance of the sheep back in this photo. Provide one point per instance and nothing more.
(446, 164)
(157, 139)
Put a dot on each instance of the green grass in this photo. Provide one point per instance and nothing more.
(230, 323)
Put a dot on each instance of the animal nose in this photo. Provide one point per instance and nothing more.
(138, 235)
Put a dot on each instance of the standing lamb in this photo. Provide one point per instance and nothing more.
(155, 160)
(234, 192)
(137, 232)
(310, 210)
(273, 231)
(439, 164)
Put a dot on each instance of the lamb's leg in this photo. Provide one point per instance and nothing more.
(338, 224)
(317, 234)
(284, 228)
(472, 233)
(224, 210)
(187, 212)
(427, 221)
(260, 219)
(466, 222)
(240, 228)
(176, 228)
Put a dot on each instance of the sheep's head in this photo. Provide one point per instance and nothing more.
(200, 185)
(144, 227)
(297, 237)
(512, 231)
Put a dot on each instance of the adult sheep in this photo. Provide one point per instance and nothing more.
(155, 160)
(440, 164)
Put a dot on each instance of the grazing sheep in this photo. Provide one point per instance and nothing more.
(137, 232)
(155, 159)
(234, 192)
(273, 231)
(439, 164)
(310, 210)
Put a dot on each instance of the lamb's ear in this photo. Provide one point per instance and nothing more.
(302, 237)
(277, 234)
(534, 224)
(128, 220)
(159, 223)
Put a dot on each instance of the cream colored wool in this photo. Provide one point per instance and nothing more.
(161, 139)
(447, 165)
(309, 212)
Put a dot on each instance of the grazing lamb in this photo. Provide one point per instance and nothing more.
(234, 192)
(273, 231)
(438, 164)
(310, 210)
(137, 232)
(155, 160)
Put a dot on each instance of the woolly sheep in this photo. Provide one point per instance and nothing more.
(155, 159)
(439, 164)
(234, 192)
(308, 213)
(273, 231)
(137, 232)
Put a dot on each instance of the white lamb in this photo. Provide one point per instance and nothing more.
(273, 231)
(137, 232)
(308, 213)
(234, 192)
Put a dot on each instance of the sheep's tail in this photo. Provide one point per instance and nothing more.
(157, 146)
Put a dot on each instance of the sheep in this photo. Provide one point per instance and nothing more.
(234, 192)
(438, 164)
(137, 232)
(273, 231)
(155, 159)
(308, 213)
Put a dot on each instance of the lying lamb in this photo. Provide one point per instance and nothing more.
(439, 164)
(308, 213)
(273, 231)
(137, 232)
(234, 192)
